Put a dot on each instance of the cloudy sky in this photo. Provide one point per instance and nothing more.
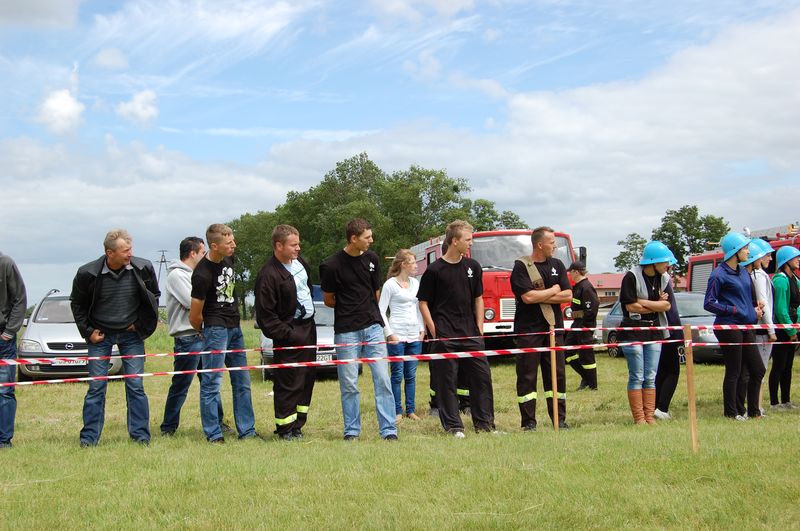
(592, 116)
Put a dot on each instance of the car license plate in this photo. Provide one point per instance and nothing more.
(324, 357)
(62, 363)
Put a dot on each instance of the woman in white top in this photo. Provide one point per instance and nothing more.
(760, 257)
(404, 327)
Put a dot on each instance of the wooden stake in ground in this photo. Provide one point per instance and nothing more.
(554, 377)
(687, 345)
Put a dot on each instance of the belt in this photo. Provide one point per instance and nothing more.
(577, 314)
(640, 322)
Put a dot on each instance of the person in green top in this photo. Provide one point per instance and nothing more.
(787, 299)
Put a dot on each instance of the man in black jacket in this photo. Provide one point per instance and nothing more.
(584, 313)
(115, 302)
(13, 302)
(285, 313)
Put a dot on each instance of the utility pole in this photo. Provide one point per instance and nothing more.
(161, 262)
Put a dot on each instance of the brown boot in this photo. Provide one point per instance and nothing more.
(635, 401)
(649, 405)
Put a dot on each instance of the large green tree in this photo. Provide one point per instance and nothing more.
(686, 232)
(631, 252)
(404, 208)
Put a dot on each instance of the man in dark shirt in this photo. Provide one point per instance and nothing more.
(584, 315)
(215, 314)
(115, 302)
(451, 302)
(350, 281)
(13, 303)
(538, 308)
(285, 313)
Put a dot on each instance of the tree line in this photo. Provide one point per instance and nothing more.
(404, 207)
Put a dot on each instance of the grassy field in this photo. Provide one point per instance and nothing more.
(605, 473)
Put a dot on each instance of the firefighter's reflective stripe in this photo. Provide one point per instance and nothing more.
(462, 392)
(432, 392)
(526, 398)
(561, 396)
(287, 420)
(302, 409)
(592, 366)
(572, 358)
(576, 301)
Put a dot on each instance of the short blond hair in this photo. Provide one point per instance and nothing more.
(216, 232)
(113, 236)
(455, 230)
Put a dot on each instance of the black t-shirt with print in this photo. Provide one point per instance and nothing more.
(450, 291)
(529, 317)
(354, 280)
(213, 283)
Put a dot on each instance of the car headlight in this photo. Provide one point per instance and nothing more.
(568, 313)
(488, 314)
(29, 345)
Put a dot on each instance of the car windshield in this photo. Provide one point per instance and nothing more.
(499, 252)
(323, 316)
(691, 307)
(54, 311)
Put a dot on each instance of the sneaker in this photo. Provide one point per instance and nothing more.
(351, 437)
(398, 418)
(529, 427)
(218, 440)
(88, 444)
(413, 416)
(776, 406)
(390, 437)
(6, 445)
(662, 415)
(458, 435)
(225, 427)
(788, 405)
(740, 418)
(168, 433)
(564, 426)
(288, 436)
(434, 412)
(763, 413)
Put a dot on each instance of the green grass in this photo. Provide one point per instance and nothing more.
(605, 473)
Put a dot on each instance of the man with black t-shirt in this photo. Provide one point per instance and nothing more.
(350, 281)
(215, 315)
(540, 285)
(451, 302)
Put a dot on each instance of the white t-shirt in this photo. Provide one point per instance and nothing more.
(404, 319)
(305, 304)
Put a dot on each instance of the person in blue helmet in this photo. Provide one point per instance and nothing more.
(756, 265)
(644, 298)
(731, 297)
(787, 299)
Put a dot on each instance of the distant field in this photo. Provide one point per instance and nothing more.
(605, 473)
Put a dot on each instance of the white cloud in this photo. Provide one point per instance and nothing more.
(427, 68)
(111, 59)
(141, 109)
(49, 13)
(415, 10)
(60, 111)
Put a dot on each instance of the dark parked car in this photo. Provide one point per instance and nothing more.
(323, 317)
(50, 332)
(691, 311)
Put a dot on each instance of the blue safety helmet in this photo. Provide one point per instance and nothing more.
(785, 253)
(757, 251)
(656, 252)
(732, 243)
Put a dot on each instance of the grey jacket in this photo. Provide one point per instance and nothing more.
(13, 298)
(179, 298)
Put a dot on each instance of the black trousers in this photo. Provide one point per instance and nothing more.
(444, 379)
(780, 376)
(527, 375)
(462, 389)
(293, 387)
(583, 360)
(669, 370)
(744, 371)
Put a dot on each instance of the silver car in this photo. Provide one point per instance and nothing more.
(50, 332)
(323, 318)
(691, 312)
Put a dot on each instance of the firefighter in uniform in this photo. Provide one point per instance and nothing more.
(584, 312)
(540, 286)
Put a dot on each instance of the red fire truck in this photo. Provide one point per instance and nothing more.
(701, 265)
(496, 251)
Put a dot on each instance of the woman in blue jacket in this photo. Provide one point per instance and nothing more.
(731, 297)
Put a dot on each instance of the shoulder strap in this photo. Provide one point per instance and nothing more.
(538, 283)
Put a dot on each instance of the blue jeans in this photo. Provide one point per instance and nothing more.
(8, 399)
(642, 365)
(348, 380)
(179, 387)
(94, 405)
(221, 338)
(404, 370)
